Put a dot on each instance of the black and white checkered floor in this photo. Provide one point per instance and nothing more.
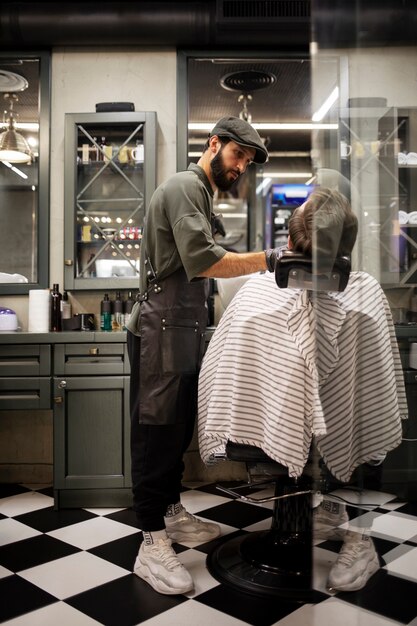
(73, 567)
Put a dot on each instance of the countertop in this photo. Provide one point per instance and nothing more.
(62, 337)
(402, 331)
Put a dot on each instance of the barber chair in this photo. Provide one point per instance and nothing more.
(277, 562)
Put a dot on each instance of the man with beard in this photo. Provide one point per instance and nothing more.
(166, 342)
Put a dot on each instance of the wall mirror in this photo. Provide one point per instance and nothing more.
(274, 94)
(24, 171)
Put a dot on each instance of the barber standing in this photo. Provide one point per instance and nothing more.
(166, 341)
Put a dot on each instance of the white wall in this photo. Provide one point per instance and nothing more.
(389, 72)
(384, 72)
(80, 79)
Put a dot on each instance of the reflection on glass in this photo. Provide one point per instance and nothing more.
(371, 157)
(109, 200)
(19, 215)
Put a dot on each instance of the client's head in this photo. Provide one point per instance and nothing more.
(324, 226)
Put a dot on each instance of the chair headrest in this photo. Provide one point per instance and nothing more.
(295, 270)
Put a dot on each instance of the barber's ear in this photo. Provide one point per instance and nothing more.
(215, 144)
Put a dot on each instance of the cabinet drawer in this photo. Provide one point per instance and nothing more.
(90, 359)
(25, 360)
(25, 393)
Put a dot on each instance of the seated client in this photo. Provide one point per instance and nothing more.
(286, 366)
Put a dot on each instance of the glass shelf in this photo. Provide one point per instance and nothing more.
(110, 179)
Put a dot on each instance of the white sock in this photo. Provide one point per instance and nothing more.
(151, 537)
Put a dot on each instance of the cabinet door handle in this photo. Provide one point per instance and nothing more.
(58, 400)
(62, 384)
(69, 262)
(94, 351)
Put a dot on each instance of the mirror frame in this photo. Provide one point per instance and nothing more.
(183, 55)
(256, 219)
(43, 173)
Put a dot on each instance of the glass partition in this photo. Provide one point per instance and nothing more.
(24, 177)
(363, 85)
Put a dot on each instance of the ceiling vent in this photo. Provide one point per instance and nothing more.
(247, 81)
(256, 12)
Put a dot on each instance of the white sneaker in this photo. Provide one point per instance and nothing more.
(356, 563)
(326, 525)
(160, 567)
(187, 527)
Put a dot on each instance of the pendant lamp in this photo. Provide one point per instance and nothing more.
(13, 146)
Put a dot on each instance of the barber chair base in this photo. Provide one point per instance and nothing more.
(265, 563)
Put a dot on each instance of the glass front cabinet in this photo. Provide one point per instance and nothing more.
(378, 156)
(110, 175)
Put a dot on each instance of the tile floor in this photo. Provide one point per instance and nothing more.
(73, 567)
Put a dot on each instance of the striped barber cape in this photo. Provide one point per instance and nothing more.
(286, 365)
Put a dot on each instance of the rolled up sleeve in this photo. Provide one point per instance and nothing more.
(195, 244)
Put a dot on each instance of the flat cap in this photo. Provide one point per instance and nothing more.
(242, 133)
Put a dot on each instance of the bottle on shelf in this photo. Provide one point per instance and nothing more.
(118, 316)
(66, 308)
(107, 150)
(128, 309)
(100, 156)
(91, 266)
(95, 150)
(85, 151)
(56, 297)
(105, 313)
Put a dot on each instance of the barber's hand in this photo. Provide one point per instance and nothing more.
(271, 256)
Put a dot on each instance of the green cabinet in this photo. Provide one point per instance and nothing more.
(91, 425)
(110, 176)
(84, 378)
(25, 376)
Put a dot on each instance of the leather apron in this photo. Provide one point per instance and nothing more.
(173, 319)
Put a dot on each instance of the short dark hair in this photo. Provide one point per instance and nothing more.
(223, 141)
(326, 226)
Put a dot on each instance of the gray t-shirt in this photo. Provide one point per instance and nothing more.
(178, 229)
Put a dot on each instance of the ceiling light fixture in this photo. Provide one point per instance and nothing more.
(295, 126)
(264, 186)
(207, 126)
(34, 126)
(289, 154)
(326, 106)
(14, 169)
(310, 180)
(13, 146)
(304, 154)
(287, 174)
